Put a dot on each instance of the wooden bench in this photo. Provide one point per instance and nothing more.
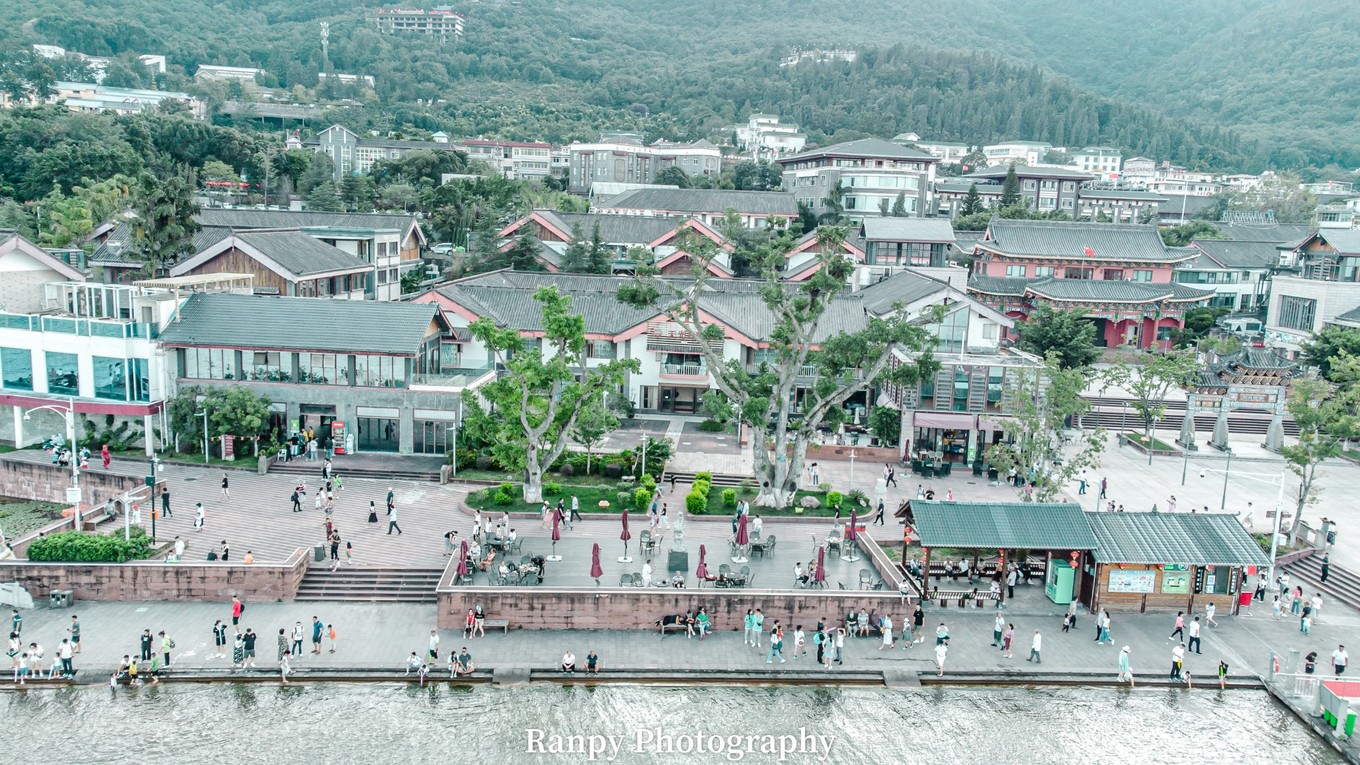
(944, 597)
(503, 624)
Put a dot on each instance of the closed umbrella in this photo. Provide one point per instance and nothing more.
(702, 571)
(556, 534)
(462, 559)
(595, 571)
(742, 539)
(625, 535)
(819, 574)
(851, 534)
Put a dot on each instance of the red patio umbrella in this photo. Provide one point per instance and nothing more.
(556, 534)
(595, 571)
(625, 535)
(462, 558)
(850, 533)
(702, 571)
(819, 574)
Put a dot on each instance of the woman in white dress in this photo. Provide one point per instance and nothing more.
(887, 632)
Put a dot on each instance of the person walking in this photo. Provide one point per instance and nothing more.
(167, 644)
(317, 627)
(1340, 660)
(1125, 668)
(392, 518)
(74, 632)
(1326, 567)
(165, 503)
(1209, 609)
(198, 516)
(1222, 674)
(391, 500)
(285, 666)
(886, 625)
(1177, 661)
(776, 645)
(104, 455)
(1105, 485)
(748, 625)
(283, 643)
(998, 627)
(1007, 638)
(890, 476)
(296, 501)
(757, 627)
(226, 486)
(1105, 628)
(799, 638)
(237, 607)
(941, 653)
(1179, 631)
(576, 503)
(1194, 635)
(434, 646)
(219, 637)
(878, 517)
(1035, 647)
(297, 639)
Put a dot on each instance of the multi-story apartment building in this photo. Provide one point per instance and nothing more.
(616, 159)
(1019, 152)
(351, 154)
(89, 97)
(1118, 275)
(1044, 189)
(949, 153)
(1077, 198)
(243, 74)
(367, 376)
(441, 21)
(1101, 160)
(754, 208)
(512, 159)
(1237, 271)
(1321, 283)
(69, 344)
(869, 173)
(763, 137)
(1115, 205)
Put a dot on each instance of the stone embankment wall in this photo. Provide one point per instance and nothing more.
(158, 580)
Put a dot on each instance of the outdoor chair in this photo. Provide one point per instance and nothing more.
(625, 580)
(515, 546)
(746, 576)
(840, 585)
(724, 570)
(638, 581)
(865, 579)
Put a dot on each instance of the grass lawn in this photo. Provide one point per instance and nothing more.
(716, 506)
(590, 497)
(1157, 443)
(20, 516)
(244, 460)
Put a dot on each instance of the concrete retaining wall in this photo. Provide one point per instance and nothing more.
(157, 580)
(28, 480)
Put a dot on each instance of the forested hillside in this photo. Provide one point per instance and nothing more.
(1250, 78)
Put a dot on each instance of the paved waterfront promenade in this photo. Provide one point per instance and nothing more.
(383, 635)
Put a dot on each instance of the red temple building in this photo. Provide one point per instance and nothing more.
(1117, 275)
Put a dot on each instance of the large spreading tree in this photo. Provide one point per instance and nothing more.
(546, 388)
(1068, 334)
(163, 231)
(1149, 377)
(827, 366)
(1326, 416)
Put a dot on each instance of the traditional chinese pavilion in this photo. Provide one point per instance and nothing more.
(1117, 275)
(1250, 379)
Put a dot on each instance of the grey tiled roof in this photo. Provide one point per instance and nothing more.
(244, 219)
(1025, 171)
(864, 147)
(984, 186)
(1352, 315)
(300, 254)
(300, 324)
(617, 229)
(1277, 234)
(998, 285)
(909, 230)
(1108, 241)
(705, 201)
(1002, 525)
(1121, 291)
(1237, 255)
(507, 298)
(1346, 241)
(1173, 204)
(1119, 194)
(1197, 539)
(738, 304)
(901, 287)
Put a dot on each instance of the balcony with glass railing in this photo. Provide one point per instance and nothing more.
(687, 371)
(451, 377)
(68, 325)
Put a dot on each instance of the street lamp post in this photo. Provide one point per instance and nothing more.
(204, 414)
(852, 470)
(69, 412)
(151, 481)
(1223, 503)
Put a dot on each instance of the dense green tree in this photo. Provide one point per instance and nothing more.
(899, 208)
(1184, 234)
(319, 170)
(885, 422)
(598, 255)
(835, 206)
(1010, 189)
(1325, 347)
(1198, 322)
(523, 254)
(1066, 335)
(762, 175)
(672, 176)
(577, 256)
(1149, 377)
(164, 227)
(65, 220)
(545, 388)
(324, 198)
(846, 362)
(1326, 418)
(972, 202)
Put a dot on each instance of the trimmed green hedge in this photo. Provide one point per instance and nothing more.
(79, 547)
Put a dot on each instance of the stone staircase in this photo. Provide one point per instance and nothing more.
(312, 471)
(719, 479)
(370, 585)
(1342, 585)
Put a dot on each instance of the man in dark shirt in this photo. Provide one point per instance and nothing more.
(249, 639)
(146, 645)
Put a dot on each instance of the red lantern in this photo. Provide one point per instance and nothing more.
(1073, 562)
(1208, 568)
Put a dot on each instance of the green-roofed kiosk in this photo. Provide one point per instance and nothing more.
(1057, 530)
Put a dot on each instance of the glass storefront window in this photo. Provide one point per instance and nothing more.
(110, 378)
(210, 363)
(63, 373)
(16, 367)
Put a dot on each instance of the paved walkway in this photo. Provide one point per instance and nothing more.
(383, 635)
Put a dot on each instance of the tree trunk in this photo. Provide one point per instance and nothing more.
(778, 478)
(533, 478)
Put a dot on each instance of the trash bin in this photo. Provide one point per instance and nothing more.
(61, 598)
(319, 553)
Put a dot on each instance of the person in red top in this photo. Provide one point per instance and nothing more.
(236, 609)
(104, 453)
(470, 624)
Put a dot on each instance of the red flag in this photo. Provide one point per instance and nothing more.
(1088, 252)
